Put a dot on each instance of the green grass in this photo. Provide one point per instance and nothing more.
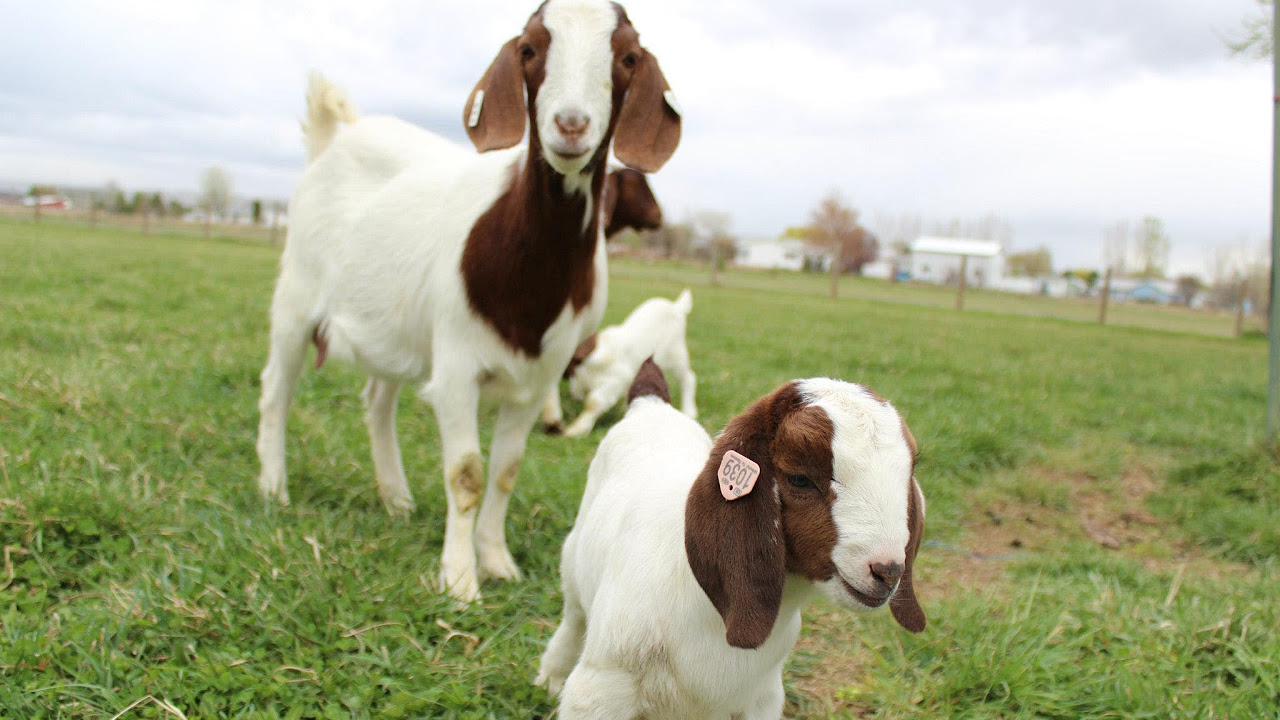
(140, 564)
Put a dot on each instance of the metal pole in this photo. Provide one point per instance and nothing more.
(1106, 296)
(964, 269)
(1273, 324)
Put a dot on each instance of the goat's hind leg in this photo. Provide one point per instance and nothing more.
(288, 351)
(380, 417)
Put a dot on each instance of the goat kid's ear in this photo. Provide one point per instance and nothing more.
(735, 548)
(649, 122)
(904, 606)
(494, 115)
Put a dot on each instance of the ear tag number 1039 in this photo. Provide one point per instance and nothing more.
(737, 475)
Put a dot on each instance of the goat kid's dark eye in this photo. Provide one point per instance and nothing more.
(630, 60)
(527, 52)
(799, 481)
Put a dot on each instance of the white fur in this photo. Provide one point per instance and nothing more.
(655, 328)
(639, 638)
(379, 222)
(578, 81)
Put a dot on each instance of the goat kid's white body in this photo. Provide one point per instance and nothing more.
(655, 647)
(379, 223)
(655, 328)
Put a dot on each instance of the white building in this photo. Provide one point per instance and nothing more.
(782, 254)
(937, 260)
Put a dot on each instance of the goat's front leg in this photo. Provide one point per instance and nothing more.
(552, 415)
(768, 702)
(510, 433)
(455, 400)
(597, 403)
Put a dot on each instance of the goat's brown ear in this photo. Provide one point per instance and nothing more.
(735, 547)
(649, 122)
(494, 115)
(904, 606)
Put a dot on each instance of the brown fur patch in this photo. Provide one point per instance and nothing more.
(649, 382)
(507, 478)
(466, 481)
(629, 203)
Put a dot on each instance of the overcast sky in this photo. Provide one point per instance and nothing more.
(1062, 117)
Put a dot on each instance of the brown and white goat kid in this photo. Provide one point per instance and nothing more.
(466, 274)
(690, 560)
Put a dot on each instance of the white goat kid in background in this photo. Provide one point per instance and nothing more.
(690, 560)
(424, 263)
(603, 366)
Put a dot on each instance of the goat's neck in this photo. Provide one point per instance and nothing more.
(533, 252)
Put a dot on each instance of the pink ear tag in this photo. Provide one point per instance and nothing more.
(737, 475)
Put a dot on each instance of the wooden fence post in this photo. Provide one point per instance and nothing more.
(1106, 295)
(964, 271)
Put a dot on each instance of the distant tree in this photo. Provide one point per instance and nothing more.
(215, 191)
(712, 227)
(1253, 39)
(39, 190)
(1115, 247)
(176, 208)
(155, 204)
(834, 228)
(1032, 263)
(215, 195)
(672, 239)
(257, 212)
(1152, 248)
(1088, 276)
(140, 203)
(1188, 286)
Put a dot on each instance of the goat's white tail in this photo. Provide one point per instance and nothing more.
(327, 108)
(684, 303)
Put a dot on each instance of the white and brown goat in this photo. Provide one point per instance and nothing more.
(466, 274)
(690, 560)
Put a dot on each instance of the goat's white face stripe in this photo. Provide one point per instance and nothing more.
(872, 474)
(578, 81)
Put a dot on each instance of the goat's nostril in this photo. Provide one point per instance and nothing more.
(572, 123)
(887, 573)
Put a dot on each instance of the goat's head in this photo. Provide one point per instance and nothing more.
(629, 203)
(835, 502)
(587, 81)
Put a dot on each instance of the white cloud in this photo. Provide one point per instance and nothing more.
(1062, 117)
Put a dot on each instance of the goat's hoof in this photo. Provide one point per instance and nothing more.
(553, 684)
(273, 491)
(399, 506)
(465, 590)
(555, 428)
(574, 431)
(499, 565)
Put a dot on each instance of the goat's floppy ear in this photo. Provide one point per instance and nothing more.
(735, 547)
(904, 606)
(649, 122)
(494, 115)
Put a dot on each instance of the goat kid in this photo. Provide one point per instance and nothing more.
(690, 560)
(604, 364)
(467, 275)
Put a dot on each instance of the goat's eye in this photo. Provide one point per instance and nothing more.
(799, 481)
(527, 52)
(630, 60)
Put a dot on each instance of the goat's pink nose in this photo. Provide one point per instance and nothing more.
(887, 573)
(572, 123)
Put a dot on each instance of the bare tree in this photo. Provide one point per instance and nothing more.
(1115, 247)
(832, 226)
(1152, 248)
(713, 227)
(215, 195)
(1032, 263)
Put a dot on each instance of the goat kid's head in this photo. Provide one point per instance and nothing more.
(835, 502)
(587, 81)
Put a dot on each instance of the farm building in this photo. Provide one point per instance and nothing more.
(938, 260)
(781, 254)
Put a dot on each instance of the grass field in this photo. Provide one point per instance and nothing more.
(1101, 539)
